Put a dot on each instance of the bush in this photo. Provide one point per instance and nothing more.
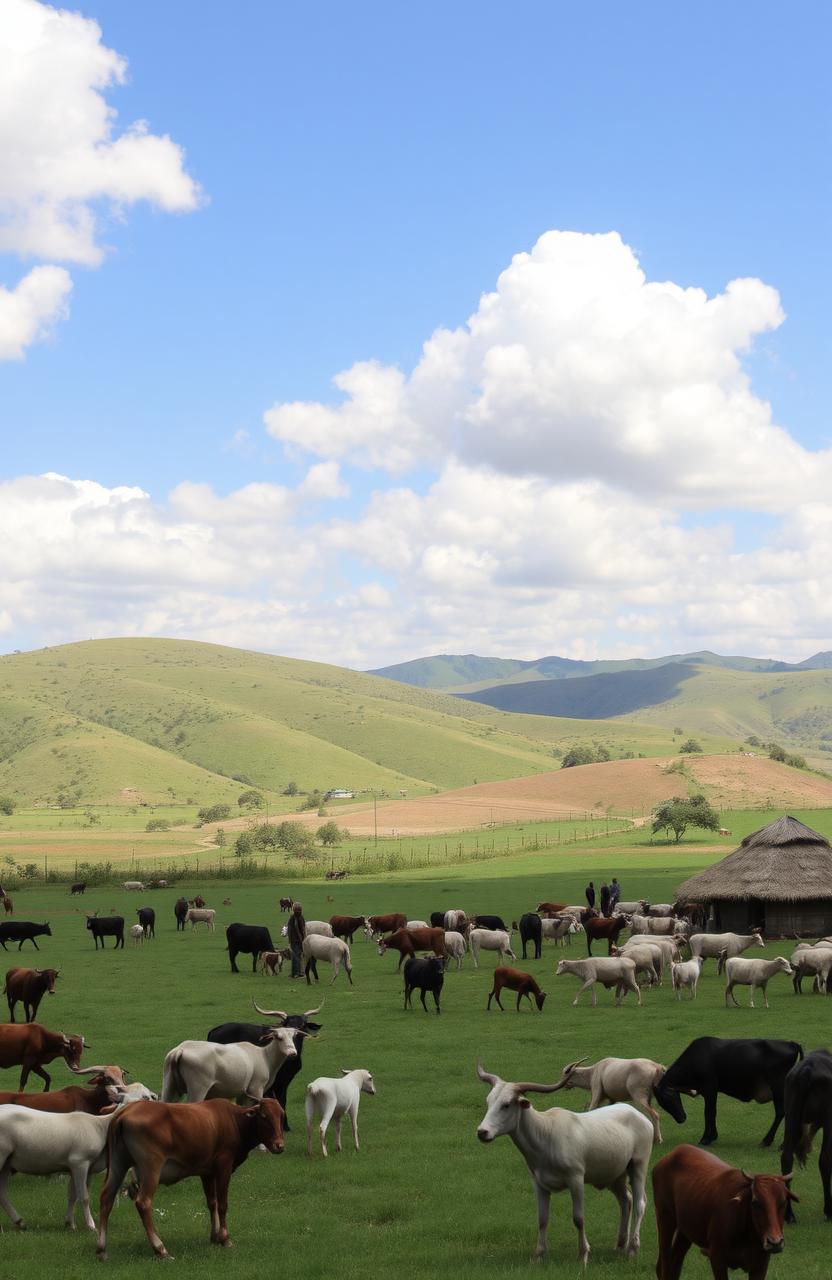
(313, 801)
(157, 824)
(796, 762)
(596, 754)
(250, 800)
(291, 789)
(213, 813)
(219, 838)
(7, 805)
(776, 752)
(690, 747)
(330, 834)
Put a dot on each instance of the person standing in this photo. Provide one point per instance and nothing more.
(605, 899)
(296, 932)
(615, 893)
(590, 894)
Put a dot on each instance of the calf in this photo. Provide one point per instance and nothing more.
(808, 1100)
(28, 987)
(286, 904)
(107, 927)
(686, 973)
(31, 1046)
(734, 1217)
(21, 931)
(180, 910)
(346, 926)
(336, 1097)
(166, 1143)
(531, 930)
(515, 980)
(617, 972)
(455, 946)
(80, 887)
(630, 1080)
(271, 960)
(137, 934)
(423, 975)
(147, 920)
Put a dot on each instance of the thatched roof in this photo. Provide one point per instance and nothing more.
(783, 862)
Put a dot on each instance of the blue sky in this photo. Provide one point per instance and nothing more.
(368, 172)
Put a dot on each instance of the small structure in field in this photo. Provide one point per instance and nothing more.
(779, 879)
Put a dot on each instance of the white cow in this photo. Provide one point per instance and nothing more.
(564, 1151)
(336, 1096)
(816, 961)
(741, 972)
(334, 950)
(685, 973)
(455, 946)
(320, 928)
(417, 924)
(137, 934)
(202, 1069)
(560, 929)
(201, 915)
(711, 945)
(489, 940)
(47, 1142)
(455, 920)
(133, 884)
(647, 960)
(617, 1080)
(610, 971)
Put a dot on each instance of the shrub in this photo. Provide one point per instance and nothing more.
(330, 834)
(690, 747)
(313, 801)
(776, 752)
(7, 805)
(157, 824)
(291, 789)
(213, 813)
(250, 800)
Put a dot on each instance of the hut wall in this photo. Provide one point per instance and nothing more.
(778, 919)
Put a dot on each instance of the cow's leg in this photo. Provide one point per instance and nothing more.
(5, 1202)
(78, 1191)
(209, 1187)
(543, 1201)
(825, 1167)
(327, 1112)
(354, 1123)
(436, 1000)
(576, 1190)
(621, 1191)
(729, 991)
(120, 1162)
(710, 1135)
(779, 1111)
(338, 1120)
(309, 1108)
(589, 983)
(676, 1252)
(422, 994)
(223, 1180)
(637, 1176)
(148, 1185)
(11, 1009)
(765, 994)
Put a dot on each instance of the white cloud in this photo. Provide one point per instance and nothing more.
(63, 163)
(574, 367)
(28, 312)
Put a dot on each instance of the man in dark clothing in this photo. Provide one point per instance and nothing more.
(605, 899)
(296, 932)
(615, 893)
(590, 894)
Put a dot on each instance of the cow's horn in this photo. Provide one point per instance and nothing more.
(309, 1012)
(270, 1013)
(570, 1067)
(748, 1176)
(486, 1075)
(528, 1086)
(88, 1071)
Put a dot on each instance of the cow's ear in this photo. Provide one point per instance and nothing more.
(523, 1103)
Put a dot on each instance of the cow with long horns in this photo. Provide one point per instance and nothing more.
(253, 1033)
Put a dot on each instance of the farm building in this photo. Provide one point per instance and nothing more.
(780, 878)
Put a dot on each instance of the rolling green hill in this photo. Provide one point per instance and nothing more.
(116, 721)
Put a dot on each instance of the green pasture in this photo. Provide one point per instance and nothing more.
(423, 1196)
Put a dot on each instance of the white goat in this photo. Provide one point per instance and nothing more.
(455, 946)
(489, 940)
(560, 929)
(201, 915)
(455, 920)
(334, 950)
(417, 924)
(631, 908)
(137, 934)
(816, 961)
(663, 950)
(753, 974)
(711, 945)
(660, 909)
(617, 1080)
(686, 974)
(133, 884)
(610, 971)
(647, 960)
(48, 1142)
(608, 1149)
(663, 926)
(336, 1096)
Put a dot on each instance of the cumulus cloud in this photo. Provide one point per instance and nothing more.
(577, 366)
(63, 163)
(28, 312)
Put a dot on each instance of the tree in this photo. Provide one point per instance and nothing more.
(329, 834)
(213, 813)
(7, 805)
(250, 800)
(291, 789)
(157, 824)
(577, 755)
(776, 752)
(690, 747)
(681, 812)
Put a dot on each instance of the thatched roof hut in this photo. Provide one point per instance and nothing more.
(780, 877)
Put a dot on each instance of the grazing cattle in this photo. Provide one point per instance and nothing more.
(814, 961)
(334, 1097)
(749, 1070)
(455, 946)
(137, 934)
(133, 884)
(604, 927)
(638, 908)
(107, 927)
(560, 929)
(735, 1218)
(78, 888)
(660, 909)
(489, 940)
(531, 930)
(201, 915)
(563, 1150)
(661, 926)
(376, 925)
(21, 931)
(490, 922)
(248, 939)
(423, 975)
(180, 910)
(740, 972)
(645, 959)
(663, 951)
(28, 986)
(630, 1080)
(685, 973)
(147, 920)
(408, 941)
(42, 1143)
(455, 920)
(106, 1086)
(515, 980)
(158, 884)
(808, 1099)
(418, 924)
(551, 908)
(692, 911)
(321, 927)
(197, 902)
(211, 1069)
(30, 1046)
(252, 1033)
(610, 971)
(346, 926)
(286, 904)
(165, 1144)
(712, 945)
(335, 950)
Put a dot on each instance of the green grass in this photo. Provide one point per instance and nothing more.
(423, 1196)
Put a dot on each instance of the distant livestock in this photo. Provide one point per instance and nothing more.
(531, 931)
(408, 941)
(180, 910)
(524, 984)
(455, 946)
(137, 934)
(107, 927)
(630, 1080)
(334, 950)
(346, 926)
(423, 975)
(147, 920)
(617, 972)
(21, 931)
(201, 915)
(377, 925)
(604, 928)
(489, 940)
(80, 887)
(133, 884)
(333, 1097)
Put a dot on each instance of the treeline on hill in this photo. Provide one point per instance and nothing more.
(293, 838)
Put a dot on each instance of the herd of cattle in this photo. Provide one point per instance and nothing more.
(236, 1080)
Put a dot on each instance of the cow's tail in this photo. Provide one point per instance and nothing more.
(798, 1048)
(173, 1086)
(796, 1140)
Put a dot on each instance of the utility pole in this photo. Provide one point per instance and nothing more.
(375, 818)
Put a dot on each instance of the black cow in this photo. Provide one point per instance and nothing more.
(147, 920)
(250, 939)
(80, 886)
(423, 975)
(253, 1033)
(107, 927)
(437, 919)
(809, 1108)
(531, 930)
(489, 922)
(749, 1070)
(180, 910)
(21, 931)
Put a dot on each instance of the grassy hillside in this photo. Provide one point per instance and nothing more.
(112, 721)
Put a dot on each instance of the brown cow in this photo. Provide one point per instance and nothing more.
(408, 941)
(516, 980)
(271, 960)
(608, 927)
(286, 904)
(554, 907)
(198, 902)
(734, 1217)
(8, 905)
(345, 926)
(29, 987)
(104, 1089)
(387, 924)
(166, 1142)
(31, 1046)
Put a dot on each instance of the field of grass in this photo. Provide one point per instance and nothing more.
(422, 1188)
(116, 721)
